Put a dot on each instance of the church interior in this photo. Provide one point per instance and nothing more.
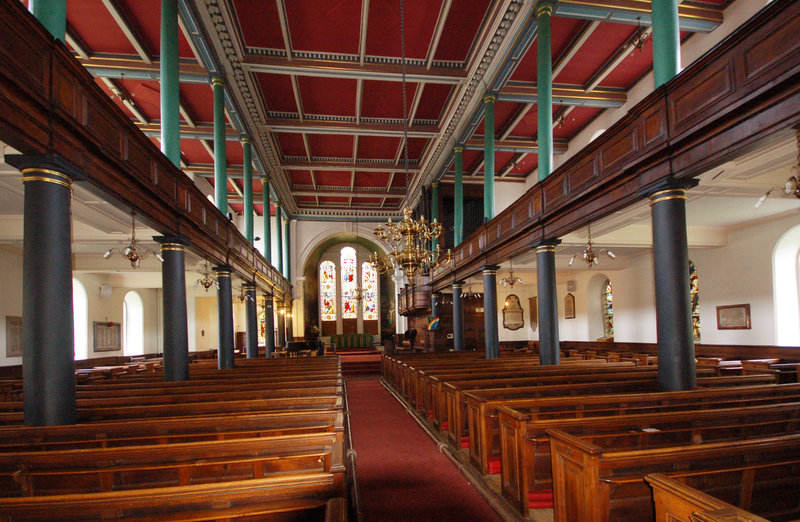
(523, 260)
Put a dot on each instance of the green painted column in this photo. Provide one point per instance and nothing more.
(170, 88)
(220, 167)
(666, 41)
(286, 264)
(267, 218)
(544, 89)
(435, 207)
(488, 158)
(458, 198)
(248, 190)
(52, 14)
(279, 234)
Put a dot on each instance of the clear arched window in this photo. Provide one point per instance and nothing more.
(133, 324)
(608, 310)
(369, 285)
(80, 318)
(694, 292)
(349, 281)
(327, 290)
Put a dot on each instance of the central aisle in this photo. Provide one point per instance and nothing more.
(401, 474)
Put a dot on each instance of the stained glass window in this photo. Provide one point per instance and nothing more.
(369, 284)
(694, 292)
(327, 290)
(608, 311)
(349, 282)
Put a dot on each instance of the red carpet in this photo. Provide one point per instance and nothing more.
(401, 475)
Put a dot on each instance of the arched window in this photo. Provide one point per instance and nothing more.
(608, 310)
(349, 281)
(369, 286)
(694, 292)
(786, 288)
(80, 318)
(327, 290)
(133, 324)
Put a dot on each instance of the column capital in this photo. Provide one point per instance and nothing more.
(667, 184)
(265, 178)
(545, 245)
(435, 184)
(277, 204)
(490, 269)
(458, 284)
(175, 240)
(217, 80)
(489, 98)
(246, 140)
(249, 286)
(54, 166)
(223, 270)
(458, 148)
(544, 7)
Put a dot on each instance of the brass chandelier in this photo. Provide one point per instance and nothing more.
(131, 252)
(407, 238)
(206, 281)
(589, 255)
(791, 186)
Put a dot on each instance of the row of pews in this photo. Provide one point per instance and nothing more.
(263, 441)
(592, 438)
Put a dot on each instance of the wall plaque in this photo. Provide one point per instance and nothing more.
(513, 314)
(13, 336)
(733, 317)
(107, 336)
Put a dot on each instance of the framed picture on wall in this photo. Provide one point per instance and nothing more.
(107, 336)
(13, 336)
(733, 317)
(569, 306)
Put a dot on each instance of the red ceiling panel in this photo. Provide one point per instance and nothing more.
(416, 146)
(234, 152)
(145, 17)
(434, 98)
(562, 32)
(331, 27)
(399, 181)
(576, 120)
(145, 95)
(372, 179)
(501, 159)
(86, 17)
(114, 98)
(332, 178)
(195, 153)
(528, 127)
(601, 46)
(300, 177)
(305, 200)
(526, 69)
(463, 22)
(385, 99)
(238, 208)
(256, 15)
(392, 202)
(331, 145)
(383, 33)
(525, 164)
(199, 101)
(503, 112)
(278, 92)
(366, 201)
(258, 188)
(291, 143)
(331, 96)
(332, 200)
(378, 147)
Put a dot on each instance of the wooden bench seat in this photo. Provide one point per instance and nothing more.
(89, 392)
(593, 481)
(303, 497)
(526, 467)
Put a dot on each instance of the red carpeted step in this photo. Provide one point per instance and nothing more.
(494, 465)
(541, 499)
(465, 441)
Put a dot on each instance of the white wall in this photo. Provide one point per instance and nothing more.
(10, 297)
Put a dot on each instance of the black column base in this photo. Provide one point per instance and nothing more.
(549, 348)
(225, 355)
(173, 283)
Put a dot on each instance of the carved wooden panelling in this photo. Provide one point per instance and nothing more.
(17, 48)
(138, 161)
(653, 127)
(623, 147)
(582, 174)
(195, 208)
(105, 130)
(64, 91)
(691, 99)
(773, 48)
(166, 184)
(522, 212)
(554, 191)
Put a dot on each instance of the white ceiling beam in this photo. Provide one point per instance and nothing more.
(287, 36)
(126, 99)
(127, 29)
(574, 47)
(437, 32)
(362, 37)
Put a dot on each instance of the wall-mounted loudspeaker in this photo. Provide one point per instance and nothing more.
(572, 285)
(105, 291)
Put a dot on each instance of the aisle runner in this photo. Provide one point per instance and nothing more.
(401, 475)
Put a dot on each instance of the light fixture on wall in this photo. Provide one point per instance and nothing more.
(131, 252)
(791, 186)
(206, 281)
(241, 297)
(589, 255)
(510, 280)
(408, 238)
(469, 294)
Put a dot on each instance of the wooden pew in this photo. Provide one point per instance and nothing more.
(677, 502)
(304, 497)
(593, 481)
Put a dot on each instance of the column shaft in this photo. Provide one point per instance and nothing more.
(279, 233)
(436, 300)
(225, 356)
(269, 326)
(173, 284)
(544, 89)
(170, 90)
(248, 190)
(251, 325)
(281, 326)
(458, 198)
(490, 312)
(47, 320)
(435, 208)
(548, 302)
(458, 318)
(220, 165)
(286, 263)
(52, 14)
(488, 158)
(267, 220)
(676, 364)
(666, 41)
